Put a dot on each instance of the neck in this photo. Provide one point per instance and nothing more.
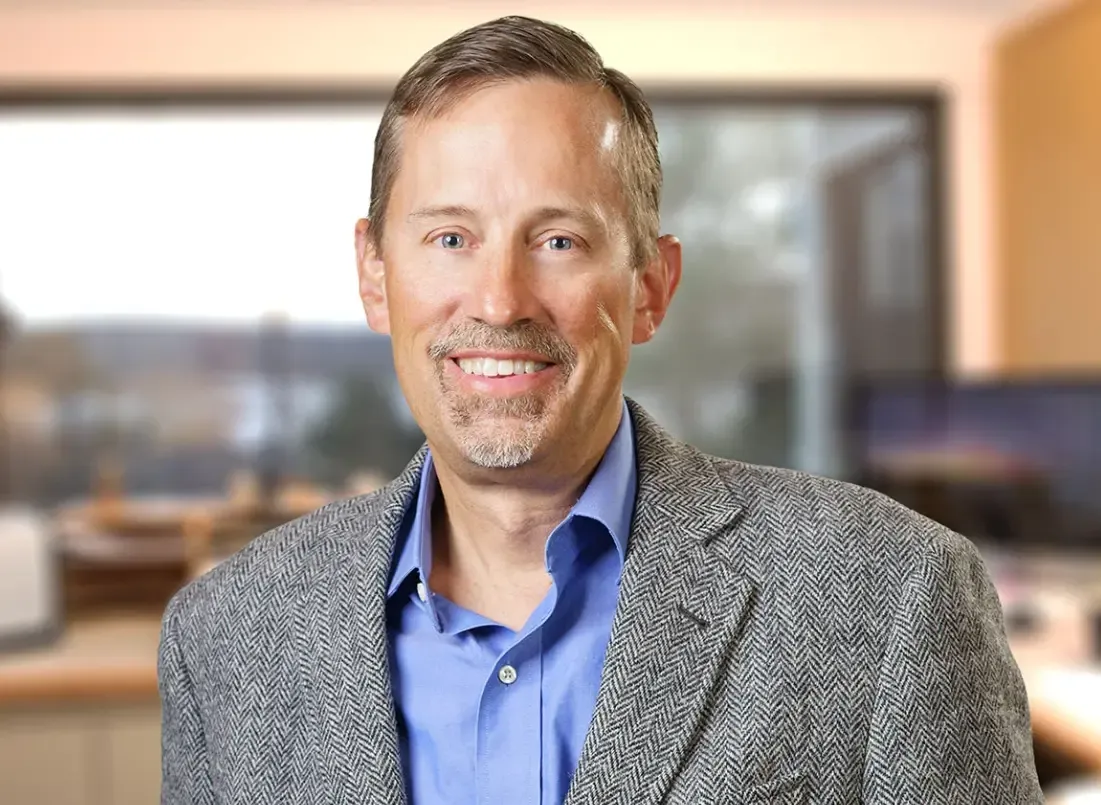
(504, 528)
(489, 530)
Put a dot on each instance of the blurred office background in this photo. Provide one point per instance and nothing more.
(889, 213)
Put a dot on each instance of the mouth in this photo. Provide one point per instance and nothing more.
(501, 375)
(487, 366)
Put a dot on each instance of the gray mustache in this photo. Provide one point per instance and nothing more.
(522, 337)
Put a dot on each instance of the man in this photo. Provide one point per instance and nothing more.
(557, 601)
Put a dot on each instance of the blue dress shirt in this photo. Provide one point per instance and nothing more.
(489, 715)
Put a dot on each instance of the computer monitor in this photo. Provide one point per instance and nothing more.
(1009, 462)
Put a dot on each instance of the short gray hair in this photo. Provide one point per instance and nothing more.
(518, 48)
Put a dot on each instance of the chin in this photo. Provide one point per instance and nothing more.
(499, 446)
(498, 456)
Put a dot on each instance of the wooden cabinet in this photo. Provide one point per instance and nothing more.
(133, 739)
(46, 757)
(83, 754)
(80, 718)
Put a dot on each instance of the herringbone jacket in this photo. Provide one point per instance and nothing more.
(779, 638)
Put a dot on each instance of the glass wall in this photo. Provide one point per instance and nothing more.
(763, 334)
(183, 286)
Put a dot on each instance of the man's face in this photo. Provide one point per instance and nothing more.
(505, 279)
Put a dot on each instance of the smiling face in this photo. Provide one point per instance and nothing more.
(505, 276)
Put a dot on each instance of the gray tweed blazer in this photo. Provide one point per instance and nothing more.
(780, 638)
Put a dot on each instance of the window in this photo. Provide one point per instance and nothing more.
(157, 238)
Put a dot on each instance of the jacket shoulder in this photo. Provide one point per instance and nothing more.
(830, 517)
(274, 565)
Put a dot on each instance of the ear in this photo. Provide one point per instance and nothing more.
(372, 279)
(656, 283)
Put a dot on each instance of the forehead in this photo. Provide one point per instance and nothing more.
(513, 141)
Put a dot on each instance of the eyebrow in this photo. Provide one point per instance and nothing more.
(443, 211)
(580, 214)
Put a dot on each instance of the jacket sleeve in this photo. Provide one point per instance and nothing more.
(951, 719)
(185, 778)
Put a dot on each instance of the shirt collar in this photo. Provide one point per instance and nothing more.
(609, 499)
(416, 552)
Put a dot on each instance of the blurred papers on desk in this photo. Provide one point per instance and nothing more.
(29, 583)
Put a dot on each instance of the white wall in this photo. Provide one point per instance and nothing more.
(808, 43)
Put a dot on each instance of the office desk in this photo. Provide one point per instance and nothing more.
(106, 658)
(1058, 658)
(1065, 705)
(80, 720)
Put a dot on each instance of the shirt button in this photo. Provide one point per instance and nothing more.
(422, 591)
(507, 674)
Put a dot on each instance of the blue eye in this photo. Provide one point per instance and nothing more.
(559, 243)
(451, 241)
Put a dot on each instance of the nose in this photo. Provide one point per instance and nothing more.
(504, 294)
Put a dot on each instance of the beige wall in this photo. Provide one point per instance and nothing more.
(299, 40)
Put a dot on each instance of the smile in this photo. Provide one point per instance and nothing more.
(499, 367)
(497, 376)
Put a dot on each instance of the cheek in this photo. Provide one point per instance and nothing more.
(598, 319)
(416, 306)
(406, 296)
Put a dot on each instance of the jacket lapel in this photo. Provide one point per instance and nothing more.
(346, 658)
(681, 605)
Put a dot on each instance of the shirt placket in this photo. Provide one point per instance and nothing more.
(509, 744)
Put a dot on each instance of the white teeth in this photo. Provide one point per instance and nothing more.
(491, 367)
